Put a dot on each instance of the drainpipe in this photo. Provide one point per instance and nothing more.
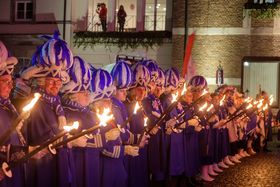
(64, 18)
(186, 24)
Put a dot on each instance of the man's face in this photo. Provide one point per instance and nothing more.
(158, 91)
(52, 85)
(152, 86)
(83, 98)
(121, 94)
(139, 93)
(188, 97)
(100, 105)
(6, 85)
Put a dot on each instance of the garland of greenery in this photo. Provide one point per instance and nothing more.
(263, 11)
(147, 39)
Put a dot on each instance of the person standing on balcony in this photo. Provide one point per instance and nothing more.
(121, 18)
(103, 16)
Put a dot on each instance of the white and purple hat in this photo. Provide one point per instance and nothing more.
(6, 63)
(52, 59)
(101, 85)
(153, 68)
(122, 75)
(80, 77)
(160, 81)
(141, 75)
(198, 81)
(172, 78)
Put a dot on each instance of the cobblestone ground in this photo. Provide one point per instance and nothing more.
(260, 170)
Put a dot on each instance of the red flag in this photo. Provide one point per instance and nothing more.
(190, 69)
(188, 53)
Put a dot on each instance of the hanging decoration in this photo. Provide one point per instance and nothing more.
(220, 75)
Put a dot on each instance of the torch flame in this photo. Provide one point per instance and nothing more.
(204, 92)
(30, 105)
(105, 117)
(222, 100)
(265, 107)
(248, 99)
(260, 103)
(203, 107)
(210, 107)
(145, 121)
(184, 89)
(137, 106)
(174, 97)
(270, 100)
(249, 106)
(75, 125)
(255, 102)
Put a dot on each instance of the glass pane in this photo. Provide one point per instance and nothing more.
(130, 8)
(150, 15)
(20, 7)
(161, 14)
(20, 14)
(29, 6)
(261, 76)
(94, 23)
(29, 14)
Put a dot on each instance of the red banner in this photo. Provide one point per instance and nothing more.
(188, 54)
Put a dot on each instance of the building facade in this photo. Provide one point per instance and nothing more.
(226, 33)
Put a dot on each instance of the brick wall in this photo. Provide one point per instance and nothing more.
(178, 13)
(208, 51)
(229, 49)
(262, 22)
(219, 13)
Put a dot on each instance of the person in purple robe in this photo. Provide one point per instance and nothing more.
(198, 84)
(191, 132)
(113, 172)
(122, 79)
(15, 145)
(86, 149)
(137, 167)
(174, 136)
(47, 73)
(153, 109)
(223, 133)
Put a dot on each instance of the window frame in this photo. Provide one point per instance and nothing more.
(25, 11)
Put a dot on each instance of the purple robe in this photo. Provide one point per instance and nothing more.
(8, 114)
(175, 145)
(137, 167)
(114, 173)
(157, 143)
(50, 170)
(87, 162)
(191, 147)
(223, 135)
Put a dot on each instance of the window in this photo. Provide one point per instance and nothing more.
(155, 19)
(130, 9)
(158, 14)
(24, 11)
(261, 75)
(23, 63)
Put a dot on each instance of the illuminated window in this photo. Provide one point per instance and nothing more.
(155, 19)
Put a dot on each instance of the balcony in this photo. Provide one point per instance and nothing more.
(146, 39)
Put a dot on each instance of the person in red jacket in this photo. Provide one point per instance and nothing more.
(103, 16)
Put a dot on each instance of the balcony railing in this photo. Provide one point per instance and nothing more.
(94, 23)
(147, 39)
